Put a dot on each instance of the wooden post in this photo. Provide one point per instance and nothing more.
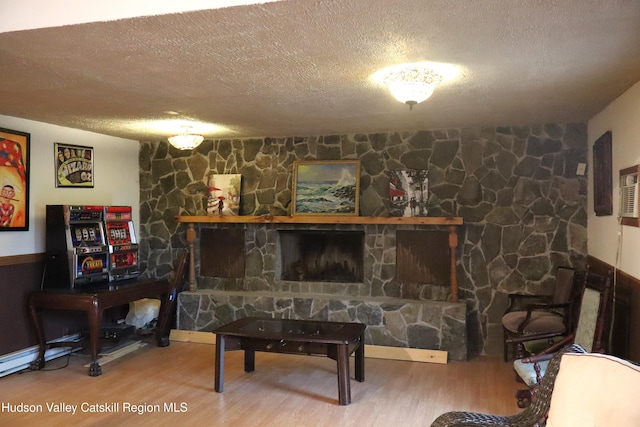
(191, 238)
(453, 244)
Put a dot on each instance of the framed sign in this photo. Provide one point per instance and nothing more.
(329, 187)
(74, 165)
(602, 176)
(14, 180)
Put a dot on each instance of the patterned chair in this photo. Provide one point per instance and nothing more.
(533, 416)
(591, 333)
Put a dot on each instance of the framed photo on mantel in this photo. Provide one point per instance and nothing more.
(330, 187)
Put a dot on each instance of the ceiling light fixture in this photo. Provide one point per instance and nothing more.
(412, 84)
(186, 140)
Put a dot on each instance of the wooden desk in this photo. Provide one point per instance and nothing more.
(94, 302)
(335, 340)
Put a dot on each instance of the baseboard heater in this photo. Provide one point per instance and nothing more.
(19, 360)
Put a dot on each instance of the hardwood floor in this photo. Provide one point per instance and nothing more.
(142, 389)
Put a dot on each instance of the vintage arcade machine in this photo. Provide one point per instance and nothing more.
(121, 239)
(76, 250)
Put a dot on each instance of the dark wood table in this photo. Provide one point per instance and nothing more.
(331, 339)
(94, 302)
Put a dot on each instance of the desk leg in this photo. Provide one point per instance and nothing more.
(344, 379)
(165, 318)
(219, 375)
(359, 361)
(249, 360)
(95, 321)
(36, 319)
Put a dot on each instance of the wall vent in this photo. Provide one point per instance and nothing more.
(629, 195)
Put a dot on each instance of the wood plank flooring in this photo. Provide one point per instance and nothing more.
(173, 386)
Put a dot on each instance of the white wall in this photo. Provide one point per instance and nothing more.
(622, 118)
(116, 179)
(30, 14)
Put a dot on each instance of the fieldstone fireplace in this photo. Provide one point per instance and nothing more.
(335, 272)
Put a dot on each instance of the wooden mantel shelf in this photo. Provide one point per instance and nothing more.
(321, 219)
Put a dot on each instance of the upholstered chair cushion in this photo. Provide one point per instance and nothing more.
(595, 390)
(541, 322)
(527, 371)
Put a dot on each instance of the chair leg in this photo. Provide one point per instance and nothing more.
(506, 346)
(519, 350)
(524, 398)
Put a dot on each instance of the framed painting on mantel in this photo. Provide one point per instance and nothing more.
(14, 180)
(330, 187)
(602, 178)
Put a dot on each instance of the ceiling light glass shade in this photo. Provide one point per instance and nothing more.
(412, 85)
(186, 141)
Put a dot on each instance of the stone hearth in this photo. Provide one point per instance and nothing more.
(392, 322)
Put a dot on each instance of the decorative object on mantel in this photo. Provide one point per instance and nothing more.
(186, 140)
(224, 194)
(408, 192)
(330, 187)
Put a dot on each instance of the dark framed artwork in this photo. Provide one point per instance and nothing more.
(330, 187)
(602, 176)
(74, 165)
(14, 180)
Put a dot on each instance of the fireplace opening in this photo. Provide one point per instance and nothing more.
(321, 256)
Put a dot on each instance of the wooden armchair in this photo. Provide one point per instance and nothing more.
(591, 334)
(542, 317)
(532, 416)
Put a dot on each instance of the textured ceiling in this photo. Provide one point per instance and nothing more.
(303, 67)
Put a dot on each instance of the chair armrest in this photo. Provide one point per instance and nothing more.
(548, 353)
(515, 298)
(538, 307)
(544, 306)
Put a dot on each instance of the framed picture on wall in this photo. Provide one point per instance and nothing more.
(330, 187)
(14, 180)
(74, 165)
(602, 176)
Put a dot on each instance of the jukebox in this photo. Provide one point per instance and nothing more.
(122, 244)
(76, 250)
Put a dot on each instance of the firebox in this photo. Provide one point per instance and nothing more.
(321, 256)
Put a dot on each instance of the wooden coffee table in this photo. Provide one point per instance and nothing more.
(331, 339)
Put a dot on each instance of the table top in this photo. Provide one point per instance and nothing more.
(293, 330)
(99, 288)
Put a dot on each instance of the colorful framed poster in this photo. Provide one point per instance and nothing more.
(14, 180)
(329, 187)
(74, 165)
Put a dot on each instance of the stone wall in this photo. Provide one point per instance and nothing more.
(523, 205)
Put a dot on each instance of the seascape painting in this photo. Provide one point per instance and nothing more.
(326, 187)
